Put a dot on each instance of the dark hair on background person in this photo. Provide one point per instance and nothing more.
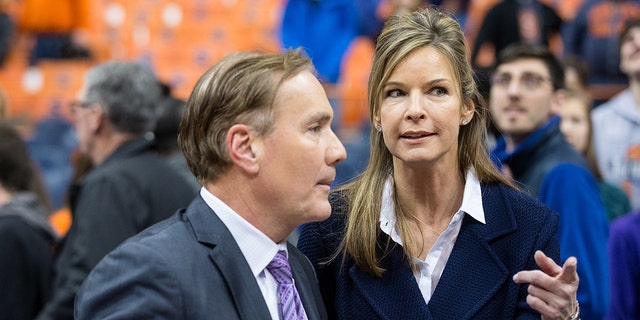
(517, 51)
(17, 170)
(26, 258)
(628, 25)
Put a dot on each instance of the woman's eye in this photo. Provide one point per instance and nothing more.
(394, 93)
(439, 91)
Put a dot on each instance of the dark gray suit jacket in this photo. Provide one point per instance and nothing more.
(186, 267)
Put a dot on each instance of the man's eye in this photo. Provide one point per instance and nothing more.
(501, 80)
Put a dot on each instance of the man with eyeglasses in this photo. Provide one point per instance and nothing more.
(526, 90)
(129, 187)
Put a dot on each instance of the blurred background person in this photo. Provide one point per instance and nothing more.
(594, 35)
(513, 21)
(27, 239)
(624, 259)
(575, 125)
(576, 75)
(616, 123)
(526, 92)
(129, 187)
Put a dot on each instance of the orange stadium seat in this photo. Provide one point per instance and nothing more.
(356, 67)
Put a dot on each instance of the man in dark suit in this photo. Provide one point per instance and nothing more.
(128, 189)
(256, 133)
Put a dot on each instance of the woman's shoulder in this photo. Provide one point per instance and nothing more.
(516, 201)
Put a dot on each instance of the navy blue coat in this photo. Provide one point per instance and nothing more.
(477, 279)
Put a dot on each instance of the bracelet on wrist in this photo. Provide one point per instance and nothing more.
(576, 314)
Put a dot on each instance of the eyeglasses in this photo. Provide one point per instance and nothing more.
(77, 104)
(529, 81)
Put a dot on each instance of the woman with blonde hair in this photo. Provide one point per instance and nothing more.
(431, 229)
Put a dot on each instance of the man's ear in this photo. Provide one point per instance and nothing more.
(559, 98)
(97, 118)
(242, 147)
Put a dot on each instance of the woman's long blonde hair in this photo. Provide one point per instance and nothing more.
(401, 35)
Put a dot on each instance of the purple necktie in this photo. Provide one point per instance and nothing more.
(290, 305)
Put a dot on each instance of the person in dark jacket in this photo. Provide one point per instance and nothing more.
(256, 133)
(26, 238)
(526, 93)
(430, 229)
(129, 188)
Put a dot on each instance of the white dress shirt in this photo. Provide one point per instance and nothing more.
(256, 247)
(429, 271)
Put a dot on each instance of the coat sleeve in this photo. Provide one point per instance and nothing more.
(547, 242)
(572, 191)
(132, 282)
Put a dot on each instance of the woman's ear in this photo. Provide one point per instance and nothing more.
(376, 123)
(242, 146)
(468, 110)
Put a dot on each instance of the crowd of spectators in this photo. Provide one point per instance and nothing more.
(595, 110)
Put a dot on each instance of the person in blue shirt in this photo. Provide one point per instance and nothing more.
(526, 90)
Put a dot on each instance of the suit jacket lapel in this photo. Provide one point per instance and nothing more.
(396, 295)
(474, 272)
(227, 257)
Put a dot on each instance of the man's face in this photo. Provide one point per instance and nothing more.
(300, 155)
(522, 97)
(83, 114)
(630, 52)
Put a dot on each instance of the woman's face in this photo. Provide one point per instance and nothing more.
(421, 110)
(575, 123)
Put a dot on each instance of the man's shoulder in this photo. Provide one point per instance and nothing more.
(164, 234)
(143, 169)
(569, 170)
(609, 109)
(602, 112)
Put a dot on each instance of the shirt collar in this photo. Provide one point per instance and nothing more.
(500, 151)
(471, 204)
(472, 197)
(257, 248)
